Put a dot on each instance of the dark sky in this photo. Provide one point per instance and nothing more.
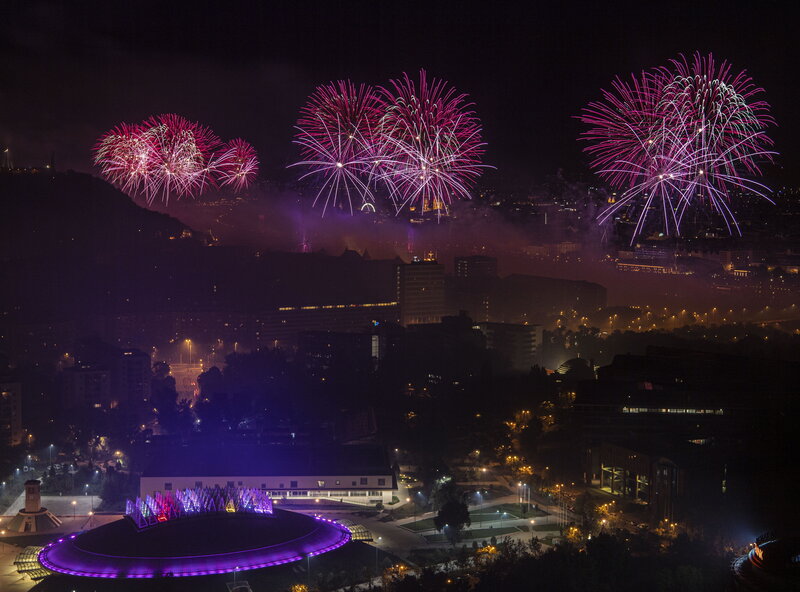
(68, 73)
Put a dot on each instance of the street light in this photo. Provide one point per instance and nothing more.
(378, 542)
(74, 503)
(51, 453)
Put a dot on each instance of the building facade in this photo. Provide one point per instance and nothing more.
(356, 474)
(519, 344)
(10, 414)
(420, 292)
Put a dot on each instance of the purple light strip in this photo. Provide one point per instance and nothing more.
(344, 538)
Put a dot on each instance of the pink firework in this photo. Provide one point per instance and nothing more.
(689, 135)
(182, 156)
(237, 165)
(335, 133)
(125, 157)
(622, 126)
(168, 155)
(430, 142)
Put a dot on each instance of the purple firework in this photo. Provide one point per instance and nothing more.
(335, 133)
(680, 136)
(420, 142)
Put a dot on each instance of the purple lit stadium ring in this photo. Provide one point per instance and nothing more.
(201, 545)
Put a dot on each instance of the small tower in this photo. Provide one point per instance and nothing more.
(33, 496)
(33, 517)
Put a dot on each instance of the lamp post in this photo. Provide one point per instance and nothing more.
(50, 448)
(74, 503)
(378, 542)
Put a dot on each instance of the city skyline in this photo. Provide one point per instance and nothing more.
(407, 297)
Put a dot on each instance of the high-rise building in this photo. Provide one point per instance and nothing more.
(476, 267)
(84, 386)
(420, 292)
(10, 413)
(131, 375)
(519, 344)
(474, 285)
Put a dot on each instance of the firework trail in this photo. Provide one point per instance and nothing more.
(688, 135)
(168, 155)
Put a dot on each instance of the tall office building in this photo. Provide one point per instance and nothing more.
(131, 375)
(519, 344)
(84, 386)
(476, 267)
(10, 414)
(420, 292)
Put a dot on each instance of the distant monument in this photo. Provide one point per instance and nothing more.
(33, 518)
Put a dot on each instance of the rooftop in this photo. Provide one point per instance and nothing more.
(254, 460)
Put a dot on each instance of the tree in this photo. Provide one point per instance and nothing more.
(164, 396)
(452, 518)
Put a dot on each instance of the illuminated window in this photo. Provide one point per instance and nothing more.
(338, 482)
(320, 483)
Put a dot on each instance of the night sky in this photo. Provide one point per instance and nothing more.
(68, 74)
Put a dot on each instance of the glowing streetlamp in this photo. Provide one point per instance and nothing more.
(377, 542)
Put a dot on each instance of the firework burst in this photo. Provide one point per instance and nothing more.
(168, 155)
(432, 143)
(688, 135)
(237, 165)
(335, 133)
(417, 142)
